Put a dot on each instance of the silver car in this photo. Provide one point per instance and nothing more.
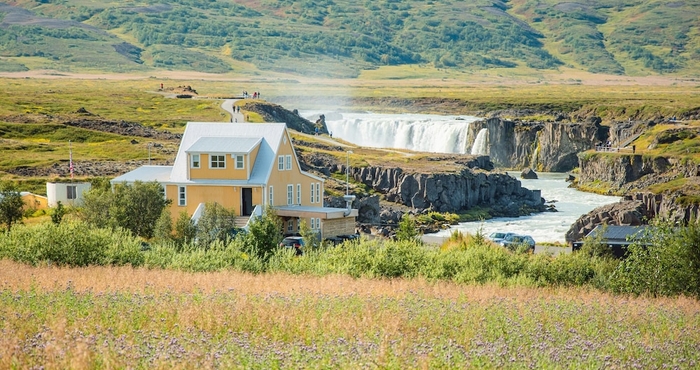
(513, 241)
(498, 236)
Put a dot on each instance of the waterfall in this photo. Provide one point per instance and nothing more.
(480, 147)
(424, 133)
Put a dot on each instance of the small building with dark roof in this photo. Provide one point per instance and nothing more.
(616, 237)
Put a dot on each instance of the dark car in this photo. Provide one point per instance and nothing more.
(296, 242)
(514, 241)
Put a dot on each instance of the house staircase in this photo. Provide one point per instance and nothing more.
(241, 221)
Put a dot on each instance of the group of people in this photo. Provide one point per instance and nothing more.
(256, 95)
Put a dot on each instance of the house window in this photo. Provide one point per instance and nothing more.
(239, 162)
(71, 192)
(318, 224)
(290, 226)
(299, 194)
(290, 194)
(312, 193)
(318, 192)
(271, 197)
(289, 162)
(313, 224)
(181, 196)
(217, 161)
(280, 163)
(195, 160)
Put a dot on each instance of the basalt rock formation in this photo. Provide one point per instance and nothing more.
(543, 146)
(452, 192)
(623, 173)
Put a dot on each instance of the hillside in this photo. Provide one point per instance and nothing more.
(340, 38)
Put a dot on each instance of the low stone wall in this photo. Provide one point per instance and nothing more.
(339, 226)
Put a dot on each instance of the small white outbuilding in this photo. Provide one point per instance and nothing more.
(68, 193)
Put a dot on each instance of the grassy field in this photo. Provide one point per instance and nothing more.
(34, 108)
(102, 317)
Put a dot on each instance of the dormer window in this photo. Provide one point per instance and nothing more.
(217, 161)
(195, 160)
(239, 162)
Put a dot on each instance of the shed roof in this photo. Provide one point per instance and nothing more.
(146, 174)
(618, 233)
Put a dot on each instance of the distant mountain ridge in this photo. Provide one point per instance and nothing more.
(340, 38)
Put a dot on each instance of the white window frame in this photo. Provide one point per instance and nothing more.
(240, 162)
(271, 194)
(318, 192)
(218, 161)
(312, 226)
(288, 160)
(299, 194)
(318, 224)
(195, 161)
(181, 196)
(290, 194)
(312, 199)
(290, 225)
(280, 163)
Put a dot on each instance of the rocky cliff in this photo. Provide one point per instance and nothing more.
(276, 113)
(623, 173)
(543, 146)
(452, 192)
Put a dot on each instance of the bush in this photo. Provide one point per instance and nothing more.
(664, 262)
(71, 244)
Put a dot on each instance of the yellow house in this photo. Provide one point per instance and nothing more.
(245, 167)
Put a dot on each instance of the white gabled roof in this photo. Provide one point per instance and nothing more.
(270, 135)
(145, 174)
(228, 145)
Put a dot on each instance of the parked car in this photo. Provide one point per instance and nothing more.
(514, 241)
(296, 242)
(498, 236)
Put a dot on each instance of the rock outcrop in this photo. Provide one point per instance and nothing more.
(452, 192)
(543, 146)
(276, 113)
(623, 173)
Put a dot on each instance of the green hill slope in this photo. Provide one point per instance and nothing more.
(343, 37)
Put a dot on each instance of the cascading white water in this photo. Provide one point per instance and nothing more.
(480, 147)
(425, 133)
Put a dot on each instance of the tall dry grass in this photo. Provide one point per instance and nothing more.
(124, 317)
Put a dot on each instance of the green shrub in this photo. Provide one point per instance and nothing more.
(71, 244)
(664, 262)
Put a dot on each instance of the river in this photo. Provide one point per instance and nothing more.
(543, 227)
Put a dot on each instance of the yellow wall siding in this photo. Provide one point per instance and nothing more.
(280, 179)
(228, 173)
(227, 196)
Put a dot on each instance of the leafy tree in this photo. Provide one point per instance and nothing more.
(164, 227)
(185, 229)
(134, 207)
(11, 205)
(264, 234)
(216, 223)
(58, 213)
(407, 229)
